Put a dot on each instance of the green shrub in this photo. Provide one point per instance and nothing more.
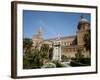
(64, 58)
(86, 61)
(49, 65)
(79, 56)
(82, 62)
(74, 64)
(35, 58)
(58, 63)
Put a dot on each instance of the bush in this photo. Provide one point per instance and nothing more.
(58, 63)
(86, 61)
(49, 65)
(74, 64)
(82, 62)
(79, 56)
(64, 58)
(36, 58)
(33, 60)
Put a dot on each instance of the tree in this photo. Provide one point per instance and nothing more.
(79, 56)
(80, 59)
(87, 40)
(45, 48)
(44, 52)
(50, 53)
(36, 58)
(27, 44)
(32, 60)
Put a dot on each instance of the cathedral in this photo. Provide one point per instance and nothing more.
(68, 44)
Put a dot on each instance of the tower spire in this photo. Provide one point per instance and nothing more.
(81, 17)
(40, 31)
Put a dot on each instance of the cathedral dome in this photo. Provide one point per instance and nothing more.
(82, 21)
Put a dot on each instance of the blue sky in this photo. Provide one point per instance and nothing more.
(52, 23)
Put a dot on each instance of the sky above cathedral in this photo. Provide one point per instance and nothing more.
(52, 23)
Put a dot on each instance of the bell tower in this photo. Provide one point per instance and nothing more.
(82, 27)
(40, 32)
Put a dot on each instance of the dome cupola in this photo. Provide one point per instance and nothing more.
(82, 22)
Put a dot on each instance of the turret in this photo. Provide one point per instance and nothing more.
(82, 27)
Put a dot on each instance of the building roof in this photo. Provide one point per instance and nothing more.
(64, 37)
